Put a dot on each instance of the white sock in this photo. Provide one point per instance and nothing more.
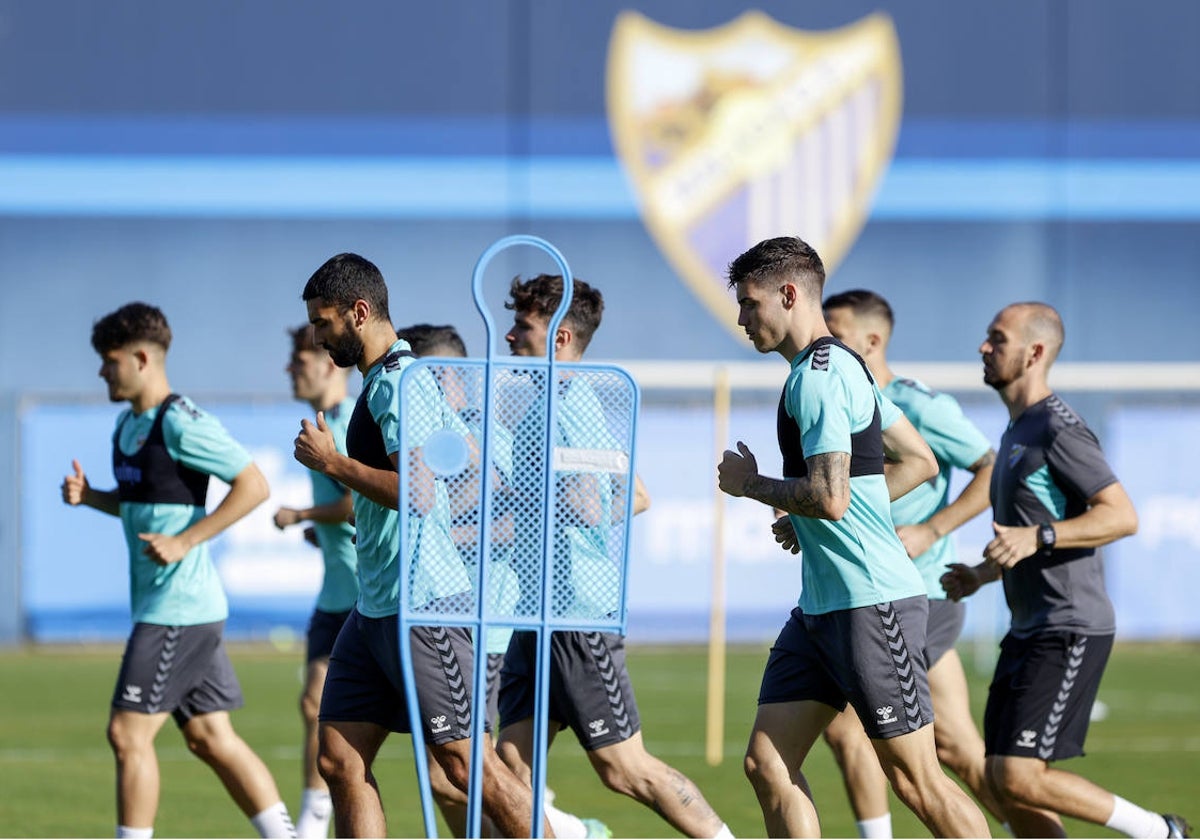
(1133, 821)
(876, 827)
(316, 807)
(565, 825)
(137, 833)
(274, 822)
(724, 833)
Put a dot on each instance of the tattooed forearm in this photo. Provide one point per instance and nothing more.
(823, 494)
(986, 461)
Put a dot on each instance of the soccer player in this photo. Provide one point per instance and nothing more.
(317, 381)
(444, 340)
(1055, 500)
(364, 698)
(858, 634)
(590, 690)
(175, 664)
(924, 517)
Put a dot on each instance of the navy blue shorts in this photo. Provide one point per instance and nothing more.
(323, 629)
(365, 682)
(1040, 701)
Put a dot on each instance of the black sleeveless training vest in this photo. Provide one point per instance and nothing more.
(866, 447)
(364, 439)
(151, 475)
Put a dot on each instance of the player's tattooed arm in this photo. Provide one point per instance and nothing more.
(823, 494)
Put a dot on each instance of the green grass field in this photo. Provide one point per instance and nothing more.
(56, 773)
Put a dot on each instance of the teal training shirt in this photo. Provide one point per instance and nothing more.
(588, 584)
(339, 587)
(188, 592)
(858, 560)
(438, 570)
(955, 442)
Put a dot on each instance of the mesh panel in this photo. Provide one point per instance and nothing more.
(546, 536)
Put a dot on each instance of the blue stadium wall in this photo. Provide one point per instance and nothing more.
(207, 157)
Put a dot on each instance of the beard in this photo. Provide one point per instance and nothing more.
(347, 351)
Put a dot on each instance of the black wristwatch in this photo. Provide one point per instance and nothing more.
(1046, 538)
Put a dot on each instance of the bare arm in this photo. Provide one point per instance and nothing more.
(823, 494)
(77, 491)
(332, 513)
(972, 501)
(1110, 516)
(908, 460)
(246, 492)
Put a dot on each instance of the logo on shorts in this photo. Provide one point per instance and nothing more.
(597, 728)
(133, 694)
(438, 724)
(1028, 739)
(885, 714)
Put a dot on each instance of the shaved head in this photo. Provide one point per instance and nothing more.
(1040, 322)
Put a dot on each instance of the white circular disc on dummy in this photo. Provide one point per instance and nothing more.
(446, 453)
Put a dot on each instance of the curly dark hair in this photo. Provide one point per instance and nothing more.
(541, 296)
(132, 322)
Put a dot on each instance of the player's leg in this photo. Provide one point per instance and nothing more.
(316, 806)
(627, 768)
(360, 704)
(451, 801)
(591, 692)
(911, 765)
(796, 701)
(131, 736)
(866, 785)
(203, 717)
(507, 799)
(877, 654)
(959, 744)
(211, 737)
(345, 758)
(1038, 712)
(781, 739)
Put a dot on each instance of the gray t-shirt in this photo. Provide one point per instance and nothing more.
(1048, 465)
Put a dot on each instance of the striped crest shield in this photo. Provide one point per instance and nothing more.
(752, 130)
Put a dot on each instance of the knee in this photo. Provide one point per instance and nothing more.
(120, 739)
(617, 778)
(456, 767)
(202, 744)
(338, 764)
(310, 706)
(765, 773)
(1013, 783)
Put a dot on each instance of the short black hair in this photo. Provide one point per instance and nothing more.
(132, 322)
(783, 256)
(862, 302)
(345, 278)
(424, 339)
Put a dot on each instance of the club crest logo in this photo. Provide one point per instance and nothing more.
(752, 130)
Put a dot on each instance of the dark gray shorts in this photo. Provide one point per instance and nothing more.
(365, 681)
(589, 685)
(1040, 700)
(873, 657)
(323, 629)
(946, 620)
(181, 670)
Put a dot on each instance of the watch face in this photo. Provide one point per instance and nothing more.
(1046, 536)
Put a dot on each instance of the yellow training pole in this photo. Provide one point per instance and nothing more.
(714, 750)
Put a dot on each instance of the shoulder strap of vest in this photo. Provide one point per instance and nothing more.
(156, 432)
